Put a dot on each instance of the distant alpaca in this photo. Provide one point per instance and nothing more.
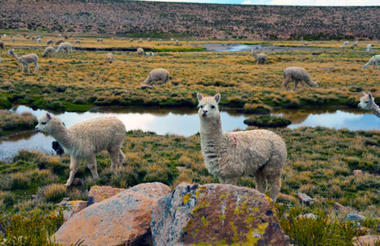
(64, 47)
(355, 44)
(140, 51)
(158, 74)
(38, 40)
(85, 139)
(344, 44)
(369, 47)
(77, 42)
(109, 57)
(2, 45)
(49, 42)
(298, 74)
(99, 40)
(59, 42)
(229, 156)
(49, 51)
(259, 58)
(25, 60)
(373, 61)
(367, 102)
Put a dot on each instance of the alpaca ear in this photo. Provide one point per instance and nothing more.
(370, 96)
(365, 94)
(48, 116)
(217, 98)
(199, 96)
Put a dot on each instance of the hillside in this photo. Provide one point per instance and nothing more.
(194, 20)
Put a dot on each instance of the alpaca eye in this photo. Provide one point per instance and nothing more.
(212, 106)
(43, 123)
(201, 106)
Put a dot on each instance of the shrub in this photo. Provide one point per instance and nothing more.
(52, 193)
(267, 121)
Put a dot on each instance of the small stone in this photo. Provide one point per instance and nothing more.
(288, 198)
(368, 240)
(307, 216)
(99, 193)
(357, 172)
(354, 217)
(305, 198)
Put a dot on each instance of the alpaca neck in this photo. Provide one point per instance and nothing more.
(211, 136)
(61, 134)
(375, 109)
(15, 56)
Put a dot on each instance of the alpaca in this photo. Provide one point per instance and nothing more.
(27, 37)
(64, 47)
(367, 102)
(13, 39)
(109, 57)
(49, 42)
(298, 74)
(85, 139)
(38, 40)
(369, 47)
(77, 42)
(158, 74)
(99, 40)
(2, 45)
(374, 60)
(355, 44)
(149, 53)
(59, 42)
(344, 44)
(49, 51)
(229, 156)
(259, 58)
(25, 60)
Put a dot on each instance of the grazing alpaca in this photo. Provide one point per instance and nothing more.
(85, 139)
(298, 74)
(49, 42)
(109, 57)
(229, 156)
(344, 44)
(369, 47)
(49, 51)
(259, 58)
(355, 44)
(99, 40)
(140, 51)
(158, 74)
(367, 102)
(64, 47)
(77, 42)
(373, 61)
(25, 60)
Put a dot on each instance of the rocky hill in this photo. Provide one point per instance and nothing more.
(195, 20)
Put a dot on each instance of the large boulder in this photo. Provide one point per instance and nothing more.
(123, 219)
(99, 193)
(216, 213)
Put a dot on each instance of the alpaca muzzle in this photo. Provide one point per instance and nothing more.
(204, 113)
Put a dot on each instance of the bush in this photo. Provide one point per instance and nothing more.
(267, 121)
(52, 193)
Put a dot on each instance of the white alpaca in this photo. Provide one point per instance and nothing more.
(149, 53)
(109, 57)
(299, 75)
(373, 61)
(344, 44)
(85, 139)
(38, 40)
(25, 60)
(158, 74)
(229, 156)
(369, 47)
(49, 51)
(259, 58)
(64, 47)
(367, 102)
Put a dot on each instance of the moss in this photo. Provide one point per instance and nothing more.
(267, 121)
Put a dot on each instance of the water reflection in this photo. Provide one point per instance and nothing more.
(180, 121)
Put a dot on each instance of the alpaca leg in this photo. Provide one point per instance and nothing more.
(285, 83)
(73, 169)
(91, 164)
(232, 181)
(115, 158)
(36, 68)
(23, 68)
(261, 182)
(27, 66)
(295, 85)
(275, 187)
(121, 157)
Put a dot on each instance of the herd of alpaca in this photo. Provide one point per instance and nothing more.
(228, 156)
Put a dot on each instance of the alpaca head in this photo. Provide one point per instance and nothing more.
(314, 84)
(48, 124)
(208, 107)
(11, 52)
(366, 101)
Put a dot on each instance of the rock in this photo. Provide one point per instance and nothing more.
(355, 217)
(305, 198)
(288, 198)
(339, 206)
(367, 240)
(357, 172)
(307, 216)
(71, 207)
(216, 213)
(123, 219)
(100, 193)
